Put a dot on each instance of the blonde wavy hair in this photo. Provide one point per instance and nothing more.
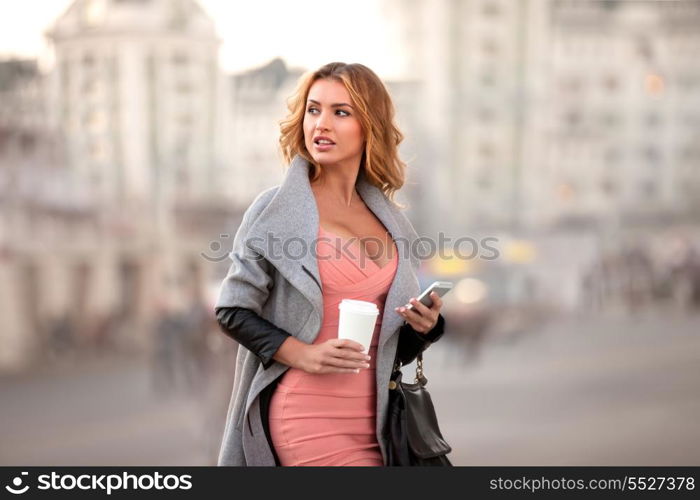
(370, 98)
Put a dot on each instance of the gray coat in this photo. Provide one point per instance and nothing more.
(275, 274)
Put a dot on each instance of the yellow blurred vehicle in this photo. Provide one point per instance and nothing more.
(490, 298)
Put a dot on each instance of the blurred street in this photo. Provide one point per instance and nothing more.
(107, 411)
(577, 391)
(582, 391)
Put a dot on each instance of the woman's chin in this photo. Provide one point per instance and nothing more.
(323, 156)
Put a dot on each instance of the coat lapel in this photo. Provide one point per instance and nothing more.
(285, 234)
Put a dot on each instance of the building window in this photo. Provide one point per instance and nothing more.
(691, 153)
(486, 115)
(178, 15)
(654, 84)
(88, 60)
(690, 189)
(689, 120)
(488, 79)
(610, 119)
(611, 83)
(491, 8)
(612, 156)
(608, 186)
(648, 188)
(182, 149)
(651, 155)
(486, 151)
(653, 119)
(180, 58)
(98, 151)
(565, 191)
(185, 119)
(645, 49)
(571, 84)
(183, 88)
(27, 142)
(95, 121)
(91, 87)
(572, 118)
(182, 176)
(489, 47)
(484, 179)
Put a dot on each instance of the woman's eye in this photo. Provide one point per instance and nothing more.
(339, 111)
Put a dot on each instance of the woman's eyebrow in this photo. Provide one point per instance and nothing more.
(337, 104)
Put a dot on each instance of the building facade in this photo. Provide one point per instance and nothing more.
(545, 113)
(113, 178)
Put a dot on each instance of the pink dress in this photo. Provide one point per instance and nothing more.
(329, 419)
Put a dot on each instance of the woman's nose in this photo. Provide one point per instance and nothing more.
(321, 123)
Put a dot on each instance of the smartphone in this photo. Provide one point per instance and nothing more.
(439, 287)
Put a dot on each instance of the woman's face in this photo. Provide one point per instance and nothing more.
(329, 113)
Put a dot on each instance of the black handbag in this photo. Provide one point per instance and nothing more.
(413, 437)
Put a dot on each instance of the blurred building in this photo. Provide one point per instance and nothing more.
(618, 136)
(134, 89)
(416, 150)
(257, 103)
(111, 175)
(552, 112)
(468, 57)
(29, 157)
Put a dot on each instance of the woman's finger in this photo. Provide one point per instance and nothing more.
(346, 343)
(437, 301)
(345, 363)
(419, 307)
(417, 321)
(331, 369)
(352, 354)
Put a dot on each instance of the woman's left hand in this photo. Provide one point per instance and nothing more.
(422, 318)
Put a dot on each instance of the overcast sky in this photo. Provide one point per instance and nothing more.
(305, 33)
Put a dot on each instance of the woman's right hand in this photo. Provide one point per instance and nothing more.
(331, 356)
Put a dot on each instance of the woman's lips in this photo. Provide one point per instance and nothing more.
(323, 147)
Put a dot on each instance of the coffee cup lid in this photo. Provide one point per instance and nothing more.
(359, 306)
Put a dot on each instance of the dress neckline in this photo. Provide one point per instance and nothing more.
(381, 268)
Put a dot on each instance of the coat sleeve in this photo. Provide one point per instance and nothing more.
(249, 278)
(412, 343)
(256, 334)
(243, 293)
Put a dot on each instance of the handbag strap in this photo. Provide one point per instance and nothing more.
(419, 367)
(420, 377)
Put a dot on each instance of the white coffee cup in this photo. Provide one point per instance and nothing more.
(357, 320)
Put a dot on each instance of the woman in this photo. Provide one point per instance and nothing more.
(302, 396)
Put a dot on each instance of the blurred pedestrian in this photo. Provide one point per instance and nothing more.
(170, 334)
